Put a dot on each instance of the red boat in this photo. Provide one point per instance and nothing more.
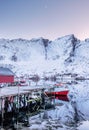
(61, 95)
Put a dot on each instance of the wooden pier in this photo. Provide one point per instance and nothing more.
(16, 99)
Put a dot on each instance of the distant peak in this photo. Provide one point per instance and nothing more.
(39, 39)
(68, 37)
(87, 40)
(19, 39)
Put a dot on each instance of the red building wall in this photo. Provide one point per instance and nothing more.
(6, 79)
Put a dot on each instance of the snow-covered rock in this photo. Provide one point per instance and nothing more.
(84, 125)
(65, 54)
(66, 114)
(79, 98)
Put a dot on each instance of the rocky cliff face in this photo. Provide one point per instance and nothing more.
(39, 55)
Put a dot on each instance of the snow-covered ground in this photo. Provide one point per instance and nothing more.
(61, 118)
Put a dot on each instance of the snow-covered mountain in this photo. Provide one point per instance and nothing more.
(65, 54)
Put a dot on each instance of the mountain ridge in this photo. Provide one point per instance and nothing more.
(63, 54)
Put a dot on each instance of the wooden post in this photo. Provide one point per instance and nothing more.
(2, 112)
(18, 106)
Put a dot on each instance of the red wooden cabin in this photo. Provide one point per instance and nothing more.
(6, 75)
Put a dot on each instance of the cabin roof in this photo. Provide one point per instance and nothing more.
(6, 71)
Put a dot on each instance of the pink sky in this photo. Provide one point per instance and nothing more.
(44, 18)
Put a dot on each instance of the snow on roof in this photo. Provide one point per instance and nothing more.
(5, 71)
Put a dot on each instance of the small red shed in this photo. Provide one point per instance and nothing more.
(6, 75)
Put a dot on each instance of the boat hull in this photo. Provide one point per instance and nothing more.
(61, 95)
